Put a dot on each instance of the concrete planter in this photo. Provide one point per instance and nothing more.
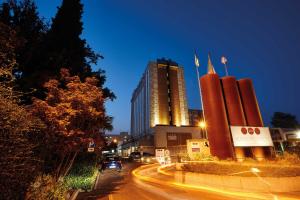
(255, 184)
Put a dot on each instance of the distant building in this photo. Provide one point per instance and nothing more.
(159, 107)
(159, 98)
(286, 139)
(122, 137)
(195, 117)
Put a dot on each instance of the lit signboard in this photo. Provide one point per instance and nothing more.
(195, 146)
(246, 136)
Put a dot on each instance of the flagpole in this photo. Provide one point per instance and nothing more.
(226, 71)
(198, 80)
(224, 61)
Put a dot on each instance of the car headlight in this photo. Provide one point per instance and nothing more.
(142, 159)
(148, 160)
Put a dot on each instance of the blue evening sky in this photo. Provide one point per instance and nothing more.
(261, 39)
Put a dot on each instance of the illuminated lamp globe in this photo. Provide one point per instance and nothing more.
(202, 124)
(298, 134)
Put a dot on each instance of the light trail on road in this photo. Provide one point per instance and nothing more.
(142, 173)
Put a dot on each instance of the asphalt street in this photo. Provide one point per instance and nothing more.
(113, 185)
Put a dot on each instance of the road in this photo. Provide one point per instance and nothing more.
(112, 185)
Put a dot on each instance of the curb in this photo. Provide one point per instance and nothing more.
(96, 181)
(74, 195)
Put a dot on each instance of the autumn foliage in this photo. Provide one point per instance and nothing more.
(19, 130)
(41, 137)
(74, 113)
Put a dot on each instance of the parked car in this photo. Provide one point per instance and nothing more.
(111, 162)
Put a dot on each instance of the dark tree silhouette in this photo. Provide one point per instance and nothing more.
(65, 47)
(30, 29)
(284, 120)
(43, 52)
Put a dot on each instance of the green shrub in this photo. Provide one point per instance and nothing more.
(81, 176)
(46, 187)
(204, 157)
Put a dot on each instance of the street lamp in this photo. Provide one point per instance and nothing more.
(298, 134)
(115, 141)
(202, 124)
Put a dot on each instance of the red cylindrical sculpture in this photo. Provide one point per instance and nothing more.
(252, 112)
(251, 108)
(215, 116)
(233, 102)
(234, 108)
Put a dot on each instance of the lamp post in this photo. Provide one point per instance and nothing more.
(202, 125)
(197, 64)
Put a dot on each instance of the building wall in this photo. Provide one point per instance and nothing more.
(140, 107)
(174, 95)
(163, 98)
(153, 94)
(159, 98)
(182, 98)
(161, 133)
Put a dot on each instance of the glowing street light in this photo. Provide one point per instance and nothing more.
(202, 124)
(115, 141)
(298, 134)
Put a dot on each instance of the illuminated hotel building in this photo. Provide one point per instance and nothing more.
(159, 99)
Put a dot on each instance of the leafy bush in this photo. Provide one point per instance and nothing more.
(46, 187)
(204, 157)
(267, 168)
(82, 176)
(289, 159)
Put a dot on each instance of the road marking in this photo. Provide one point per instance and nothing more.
(110, 197)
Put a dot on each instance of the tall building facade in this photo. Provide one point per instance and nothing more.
(159, 99)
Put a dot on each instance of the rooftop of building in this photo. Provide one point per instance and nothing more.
(162, 61)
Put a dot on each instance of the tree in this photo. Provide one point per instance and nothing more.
(8, 43)
(44, 51)
(73, 112)
(5, 13)
(23, 18)
(18, 162)
(18, 129)
(65, 47)
(284, 120)
(64, 44)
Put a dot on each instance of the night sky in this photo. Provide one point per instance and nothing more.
(261, 40)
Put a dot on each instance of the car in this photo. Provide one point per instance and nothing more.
(143, 157)
(111, 162)
(148, 158)
(135, 156)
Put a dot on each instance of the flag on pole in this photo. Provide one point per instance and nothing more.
(224, 60)
(196, 60)
(210, 67)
